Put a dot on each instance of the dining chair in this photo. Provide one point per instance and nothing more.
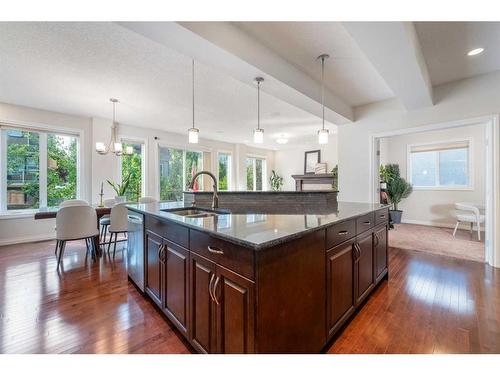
(469, 212)
(68, 203)
(76, 223)
(104, 220)
(147, 200)
(118, 224)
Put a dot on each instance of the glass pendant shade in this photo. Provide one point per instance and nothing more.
(323, 136)
(118, 149)
(193, 135)
(258, 135)
(100, 147)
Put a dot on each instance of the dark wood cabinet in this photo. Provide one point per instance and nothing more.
(364, 280)
(340, 285)
(380, 246)
(203, 309)
(153, 284)
(176, 284)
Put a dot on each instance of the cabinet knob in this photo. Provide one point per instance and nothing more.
(215, 250)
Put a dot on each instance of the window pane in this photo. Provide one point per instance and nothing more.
(22, 170)
(258, 174)
(132, 165)
(423, 168)
(194, 164)
(249, 165)
(453, 167)
(224, 167)
(170, 174)
(61, 168)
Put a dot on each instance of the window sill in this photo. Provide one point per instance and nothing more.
(443, 188)
(17, 215)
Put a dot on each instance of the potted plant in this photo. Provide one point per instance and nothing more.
(335, 176)
(276, 181)
(121, 189)
(397, 189)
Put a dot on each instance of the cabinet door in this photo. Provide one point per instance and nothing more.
(380, 245)
(340, 285)
(176, 296)
(153, 267)
(234, 297)
(365, 279)
(203, 335)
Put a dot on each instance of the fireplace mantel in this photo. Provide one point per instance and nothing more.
(302, 180)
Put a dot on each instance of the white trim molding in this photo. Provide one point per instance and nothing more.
(25, 239)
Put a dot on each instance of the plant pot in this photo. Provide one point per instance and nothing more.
(120, 199)
(395, 216)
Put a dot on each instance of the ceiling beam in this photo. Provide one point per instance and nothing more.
(228, 48)
(394, 50)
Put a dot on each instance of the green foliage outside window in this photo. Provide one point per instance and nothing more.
(132, 166)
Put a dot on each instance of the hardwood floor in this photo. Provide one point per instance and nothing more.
(431, 304)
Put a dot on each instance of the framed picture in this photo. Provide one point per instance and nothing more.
(311, 158)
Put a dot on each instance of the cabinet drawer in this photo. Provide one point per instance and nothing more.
(381, 216)
(171, 231)
(340, 232)
(236, 258)
(365, 222)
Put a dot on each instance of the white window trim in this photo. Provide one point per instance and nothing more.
(469, 187)
(144, 160)
(229, 169)
(264, 171)
(42, 129)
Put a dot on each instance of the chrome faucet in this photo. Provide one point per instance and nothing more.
(215, 196)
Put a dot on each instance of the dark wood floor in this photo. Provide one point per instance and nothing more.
(431, 304)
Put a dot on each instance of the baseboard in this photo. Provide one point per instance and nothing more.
(39, 237)
(464, 226)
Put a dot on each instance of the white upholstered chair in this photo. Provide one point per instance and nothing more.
(147, 200)
(118, 224)
(75, 223)
(73, 202)
(469, 213)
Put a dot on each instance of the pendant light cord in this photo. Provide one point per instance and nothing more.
(323, 88)
(192, 74)
(258, 105)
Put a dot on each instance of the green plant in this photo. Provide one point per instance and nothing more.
(398, 189)
(121, 189)
(335, 173)
(389, 172)
(276, 181)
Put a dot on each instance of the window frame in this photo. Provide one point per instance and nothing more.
(254, 168)
(229, 169)
(43, 130)
(470, 162)
(144, 160)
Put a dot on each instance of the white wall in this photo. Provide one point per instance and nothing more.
(435, 207)
(290, 162)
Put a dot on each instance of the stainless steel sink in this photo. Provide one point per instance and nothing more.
(192, 212)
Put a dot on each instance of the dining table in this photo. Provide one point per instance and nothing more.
(51, 213)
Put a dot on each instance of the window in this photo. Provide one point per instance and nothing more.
(440, 166)
(177, 167)
(256, 174)
(41, 169)
(224, 171)
(133, 165)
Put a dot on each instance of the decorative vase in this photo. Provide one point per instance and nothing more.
(120, 199)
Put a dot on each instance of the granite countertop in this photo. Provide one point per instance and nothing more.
(264, 192)
(257, 229)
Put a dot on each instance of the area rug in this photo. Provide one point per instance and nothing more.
(437, 241)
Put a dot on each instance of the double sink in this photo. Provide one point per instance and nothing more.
(195, 212)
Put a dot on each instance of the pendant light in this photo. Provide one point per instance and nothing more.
(114, 146)
(323, 133)
(258, 134)
(193, 132)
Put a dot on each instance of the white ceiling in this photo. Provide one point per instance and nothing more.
(348, 73)
(76, 67)
(445, 46)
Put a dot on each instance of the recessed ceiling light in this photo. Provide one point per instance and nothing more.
(475, 51)
(282, 141)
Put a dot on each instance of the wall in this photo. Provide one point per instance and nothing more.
(436, 207)
(290, 162)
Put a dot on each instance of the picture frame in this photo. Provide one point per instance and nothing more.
(311, 158)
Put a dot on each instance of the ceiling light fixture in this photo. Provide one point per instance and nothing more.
(282, 140)
(114, 146)
(258, 134)
(475, 51)
(323, 133)
(193, 132)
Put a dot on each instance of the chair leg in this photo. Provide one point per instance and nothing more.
(105, 232)
(110, 240)
(479, 231)
(61, 252)
(456, 227)
(57, 245)
(471, 226)
(114, 247)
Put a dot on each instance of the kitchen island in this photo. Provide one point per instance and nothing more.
(259, 280)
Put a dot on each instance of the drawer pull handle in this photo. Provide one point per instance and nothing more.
(215, 290)
(210, 287)
(382, 216)
(215, 250)
(343, 232)
(366, 222)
